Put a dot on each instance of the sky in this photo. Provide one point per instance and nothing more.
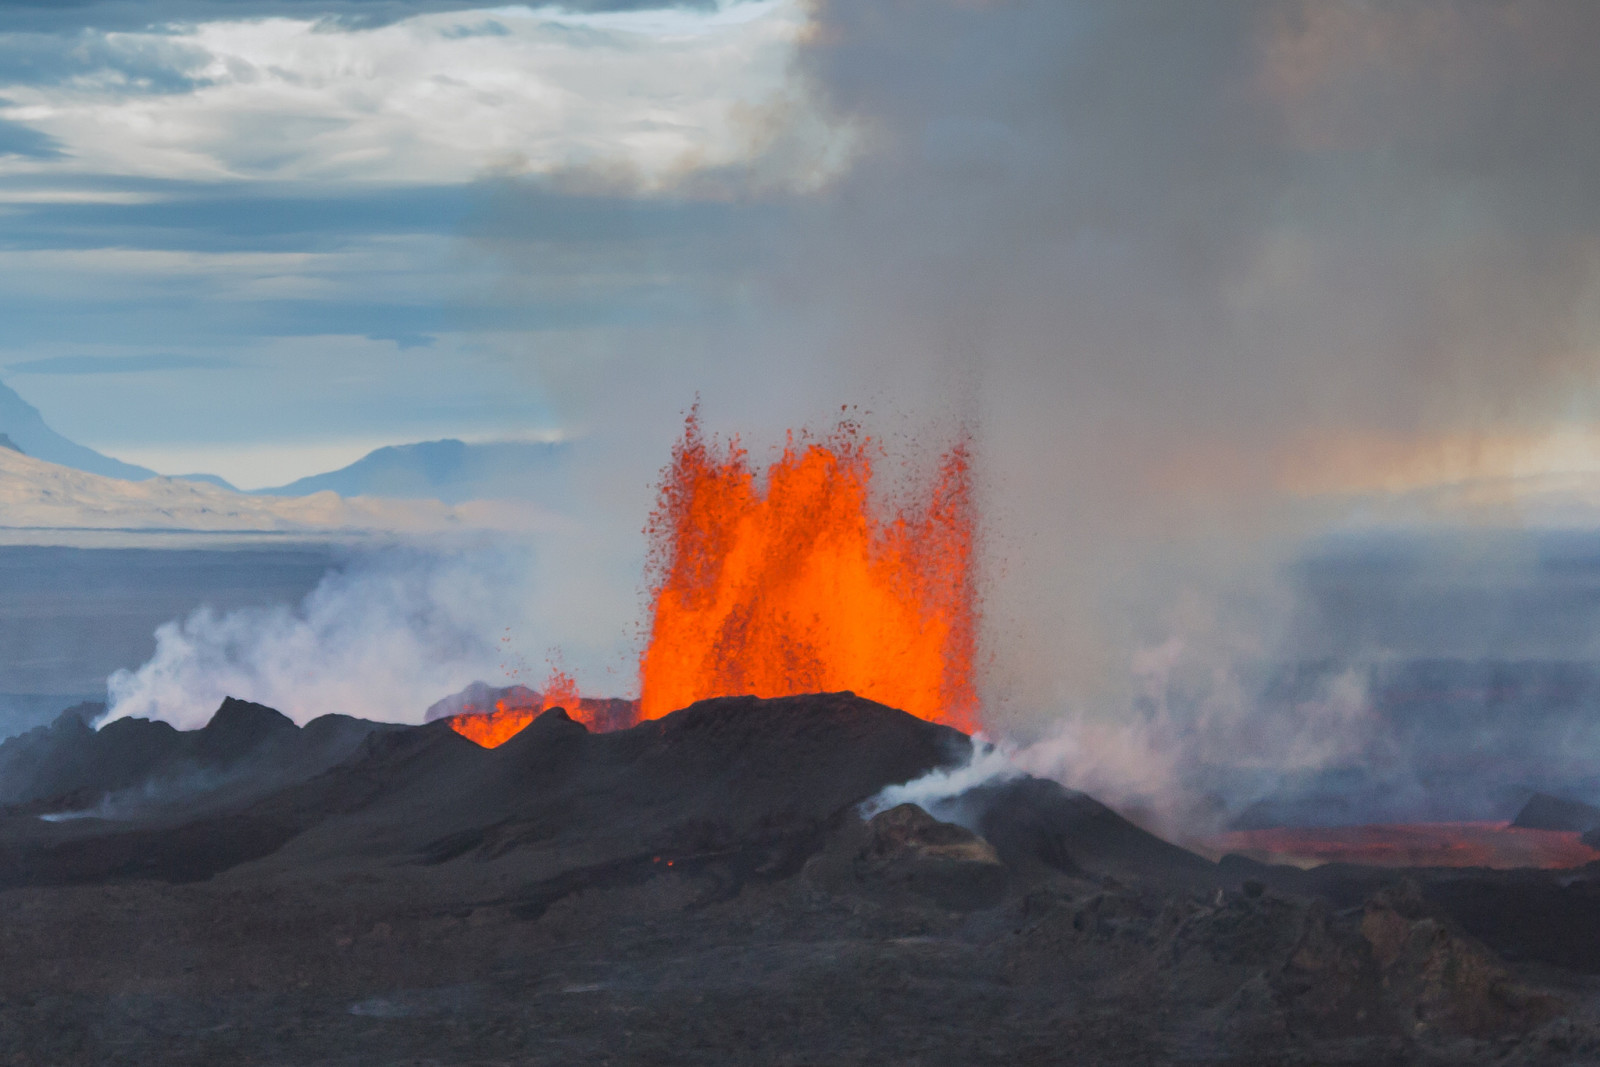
(1208, 282)
(252, 238)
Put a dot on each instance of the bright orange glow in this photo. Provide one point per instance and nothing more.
(795, 586)
(560, 691)
(1448, 844)
(494, 728)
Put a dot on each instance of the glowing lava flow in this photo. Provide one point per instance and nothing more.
(797, 587)
(1450, 844)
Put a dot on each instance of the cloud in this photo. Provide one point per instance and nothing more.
(430, 98)
(17, 139)
(66, 16)
(117, 364)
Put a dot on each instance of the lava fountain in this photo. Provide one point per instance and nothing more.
(795, 584)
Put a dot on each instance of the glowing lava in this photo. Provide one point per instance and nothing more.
(796, 586)
(1448, 844)
(494, 728)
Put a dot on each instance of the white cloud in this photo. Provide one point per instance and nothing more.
(437, 98)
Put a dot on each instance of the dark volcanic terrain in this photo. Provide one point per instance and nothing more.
(704, 889)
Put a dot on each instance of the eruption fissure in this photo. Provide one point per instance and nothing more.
(798, 585)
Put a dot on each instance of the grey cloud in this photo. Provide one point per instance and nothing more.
(48, 17)
(117, 364)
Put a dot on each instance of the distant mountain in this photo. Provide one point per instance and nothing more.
(35, 494)
(209, 479)
(23, 426)
(7, 442)
(450, 471)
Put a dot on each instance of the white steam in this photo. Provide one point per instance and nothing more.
(1185, 755)
(986, 764)
(381, 638)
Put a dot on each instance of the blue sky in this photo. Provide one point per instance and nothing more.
(260, 239)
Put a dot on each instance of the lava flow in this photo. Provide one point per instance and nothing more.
(1446, 844)
(797, 586)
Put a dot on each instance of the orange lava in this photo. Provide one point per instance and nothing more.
(793, 585)
(1444, 844)
(494, 728)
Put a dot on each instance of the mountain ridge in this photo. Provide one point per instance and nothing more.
(37, 494)
(21, 424)
(448, 470)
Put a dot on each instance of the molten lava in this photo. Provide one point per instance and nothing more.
(797, 586)
(494, 728)
(1448, 844)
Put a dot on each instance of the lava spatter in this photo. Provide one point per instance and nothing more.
(794, 583)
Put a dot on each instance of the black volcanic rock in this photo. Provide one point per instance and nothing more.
(239, 729)
(904, 852)
(729, 776)
(1033, 821)
(702, 888)
(68, 758)
(1545, 812)
(343, 732)
(747, 787)
(245, 748)
(737, 788)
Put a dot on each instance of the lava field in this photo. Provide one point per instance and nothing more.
(704, 888)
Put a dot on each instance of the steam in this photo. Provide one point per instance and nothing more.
(136, 802)
(1182, 762)
(380, 638)
(1208, 280)
(1212, 282)
(986, 763)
